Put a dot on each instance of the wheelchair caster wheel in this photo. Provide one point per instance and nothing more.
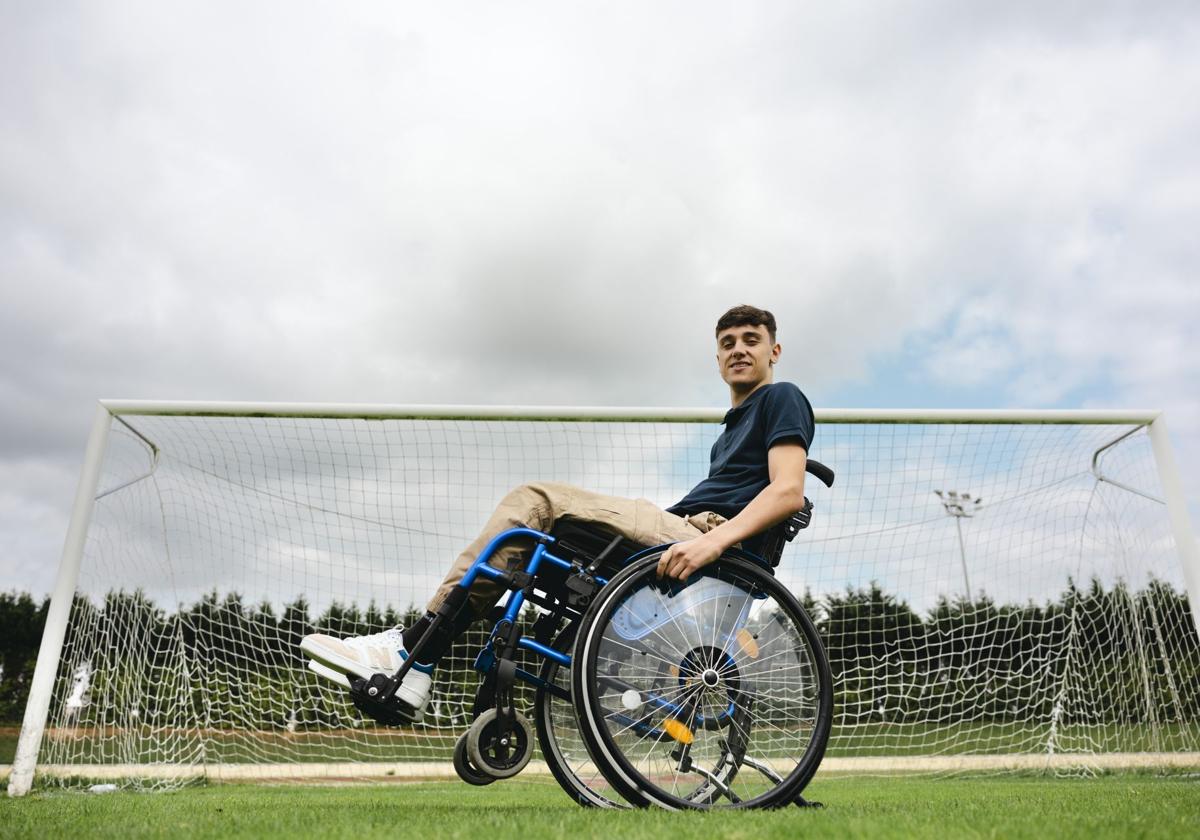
(490, 755)
(463, 767)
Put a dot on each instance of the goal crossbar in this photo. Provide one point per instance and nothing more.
(367, 411)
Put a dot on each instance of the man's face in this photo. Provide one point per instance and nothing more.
(745, 355)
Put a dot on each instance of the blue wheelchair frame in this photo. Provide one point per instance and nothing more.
(485, 662)
(486, 658)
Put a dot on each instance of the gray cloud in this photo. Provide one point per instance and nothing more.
(551, 205)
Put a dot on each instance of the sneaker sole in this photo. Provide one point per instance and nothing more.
(328, 673)
(338, 663)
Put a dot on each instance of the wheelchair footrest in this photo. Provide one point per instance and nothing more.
(366, 696)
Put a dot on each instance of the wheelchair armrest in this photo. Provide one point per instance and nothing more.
(798, 521)
(778, 535)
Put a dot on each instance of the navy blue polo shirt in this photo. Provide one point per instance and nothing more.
(738, 462)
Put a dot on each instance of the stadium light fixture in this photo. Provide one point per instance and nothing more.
(960, 506)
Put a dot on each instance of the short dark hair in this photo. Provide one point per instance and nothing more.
(743, 316)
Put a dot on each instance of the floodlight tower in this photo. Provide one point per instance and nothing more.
(960, 506)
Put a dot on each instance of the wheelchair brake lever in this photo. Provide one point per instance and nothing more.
(603, 555)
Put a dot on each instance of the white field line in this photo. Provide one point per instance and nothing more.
(409, 770)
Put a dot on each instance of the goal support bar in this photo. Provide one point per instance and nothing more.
(1181, 526)
(36, 709)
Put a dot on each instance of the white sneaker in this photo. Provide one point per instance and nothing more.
(362, 656)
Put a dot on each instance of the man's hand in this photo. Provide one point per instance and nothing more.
(680, 560)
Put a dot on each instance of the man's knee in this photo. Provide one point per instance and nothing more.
(537, 499)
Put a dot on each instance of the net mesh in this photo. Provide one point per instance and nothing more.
(1048, 618)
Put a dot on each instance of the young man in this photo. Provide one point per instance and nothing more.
(755, 480)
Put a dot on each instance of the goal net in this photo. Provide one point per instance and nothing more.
(994, 591)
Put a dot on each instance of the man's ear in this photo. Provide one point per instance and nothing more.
(775, 351)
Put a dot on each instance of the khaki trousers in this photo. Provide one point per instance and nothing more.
(539, 505)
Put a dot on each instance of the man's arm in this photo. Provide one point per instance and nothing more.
(777, 501)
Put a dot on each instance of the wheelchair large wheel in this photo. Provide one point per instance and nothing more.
(714, 693)
(558, 735)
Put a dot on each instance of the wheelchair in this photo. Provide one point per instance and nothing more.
(710, 693)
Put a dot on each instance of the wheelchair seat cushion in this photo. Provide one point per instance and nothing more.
(585, 541)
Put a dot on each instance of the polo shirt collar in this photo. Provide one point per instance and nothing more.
(734, 413)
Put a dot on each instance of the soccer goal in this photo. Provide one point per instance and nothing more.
(996, 589)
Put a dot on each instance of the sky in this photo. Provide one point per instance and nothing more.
(944, 204)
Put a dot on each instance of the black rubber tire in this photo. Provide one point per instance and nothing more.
(480, 741)
(560, 767)
(607, 753)
(463, 767)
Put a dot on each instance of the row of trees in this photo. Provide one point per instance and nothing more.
(1094, 653)
(21, 622)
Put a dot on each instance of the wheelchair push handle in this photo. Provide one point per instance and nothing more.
(823, 473)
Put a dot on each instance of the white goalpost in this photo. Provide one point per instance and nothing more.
(997, 590)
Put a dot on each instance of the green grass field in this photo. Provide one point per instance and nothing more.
(1029, 806)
